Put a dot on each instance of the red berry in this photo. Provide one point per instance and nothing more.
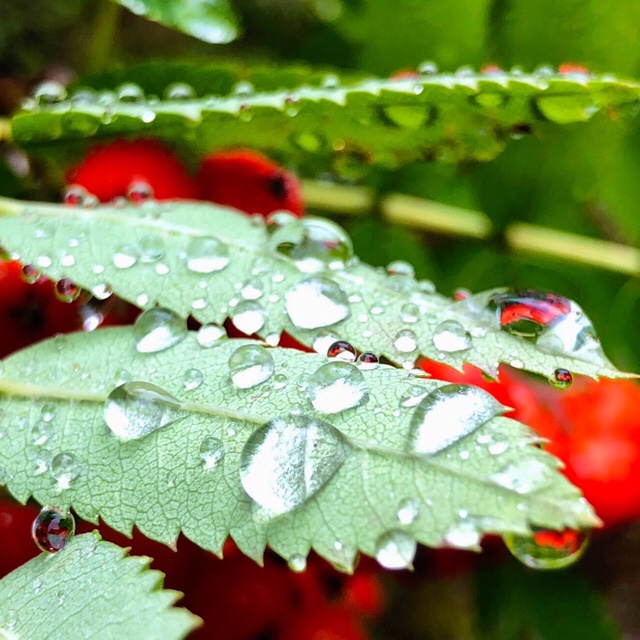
(329, 623)
(404, 74)
(249, 181)
(135, 168)
(15, 535)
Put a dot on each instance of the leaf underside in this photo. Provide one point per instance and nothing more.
(90, 589)
(345, 128)
(159, 483)
(86, 241)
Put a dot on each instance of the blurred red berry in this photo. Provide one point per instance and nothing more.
(405, 74)
(570, 68)
(136, 169)
(15, 535)
(249, 181)
(329, 623)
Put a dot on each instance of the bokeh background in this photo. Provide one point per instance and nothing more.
(581, 178)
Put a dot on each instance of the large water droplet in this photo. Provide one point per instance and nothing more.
(395, 550)
(317, 302)
(135, 409)
(336, 387)
(447, 414)
(52, 529)
(548, 549)
(207, 254)
(158, 329)
(250, 366)
(211, 451)
(313, 244)
(288, 460)
(248, 316)
(450, 336)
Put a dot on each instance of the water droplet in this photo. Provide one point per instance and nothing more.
(158, 329)
(66, 290)
(464, 534)
(207, 255)
(41, 432)
(49, 92)
(279, 219)
(336, 387)
(447, 414)
(428, 68)
(192, 379)
(65, 468)
(76, 195)
(313, 244)
(561, 379)
(408, 511)
(122, 376)
(42, 461)
(252, 289)
(179, 91)
(409, 313)
(400, 268)
(525, 476)
(151, 248)
(129, 92)
(412, 396)
(210, 335)
(498, 448)
(450, 336)
(565, 109)
(409, 116)
(139, 192)
(297, 562)
(30, 274)
(248, 316)
(341, 350)
(548, 549)
(136, 409)
(323, 340)
(557, 325)
(52, 529)
(317, 302)
(250, 366)
(102, 291)
(211, 451)
(126, 256)
(406, 341)
(367, 361)
(286, 461)
(395, 550)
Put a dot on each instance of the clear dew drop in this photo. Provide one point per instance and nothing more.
(525, 476)
(401, 268)
(286, 461)
(547, 548)
(408, 511)
(30, 274)
(323, 340)
(129, 92)
(409, 313)
(158, 329)
(179, 91)
(248, 316)
(313, 244)
(139, 191)
(317, 302)
(280, 381)
(41, 432)
(136, 409)
(151, 248)
(192, 379)
(342, 351)
(210, 335)
(102, 291)
(211, 452)
(447, 414)
(52, 529)
(207, 255)
(395, 550)
(406, 341)
(336, 387)
(279, 219)
(297, 562)
(64, 469)
(464, 534)
(450, 336)
(49, 92)
(561, 379)
(367, 361)
(413, 396)
(126, 256)
(252, 289)
(250, 365)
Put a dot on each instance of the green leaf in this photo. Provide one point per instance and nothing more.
(359, 303)
(335, 484)
(390, 123)
(209, 20)
(90, 589)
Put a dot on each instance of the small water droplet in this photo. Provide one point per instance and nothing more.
(450, 336)
(297, 562)
(313, 244)
(102, 291)
(408, 511)
(447, 414)
(49, 92)
(52, 529)
(525, 476)
(135, 409)
(401, 268)
(406, 341)
(192, 379)
(464, 534)
(158, 329)
(41, 432)
(409, 313)
(336, 387)
(248, 316)
(139, 192)
(48, 411)
(122, 376)
(30, 274)
(210, 335)
(280, 381)
(250, 366)
(151, 248)
(126, 256)
(413, 396)
(317, 302)
(498, 448)
(211, 451)
(76, 195)
(252, 289)
(395, 550)
(279, 219)
(548, 549)
(342, 351)
(286, 461)
(179, 91)
(65, 468)
(367, 361)
(207, 255)
(129, 92)
(561, 379)
(323, 340)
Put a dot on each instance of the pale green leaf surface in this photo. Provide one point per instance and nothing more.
(159, 482)
(40, 233)
(213, 21)
(90, 589)
(390, 123)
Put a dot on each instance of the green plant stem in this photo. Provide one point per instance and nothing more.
(5, 129)
(104, 29)
(443, 219)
